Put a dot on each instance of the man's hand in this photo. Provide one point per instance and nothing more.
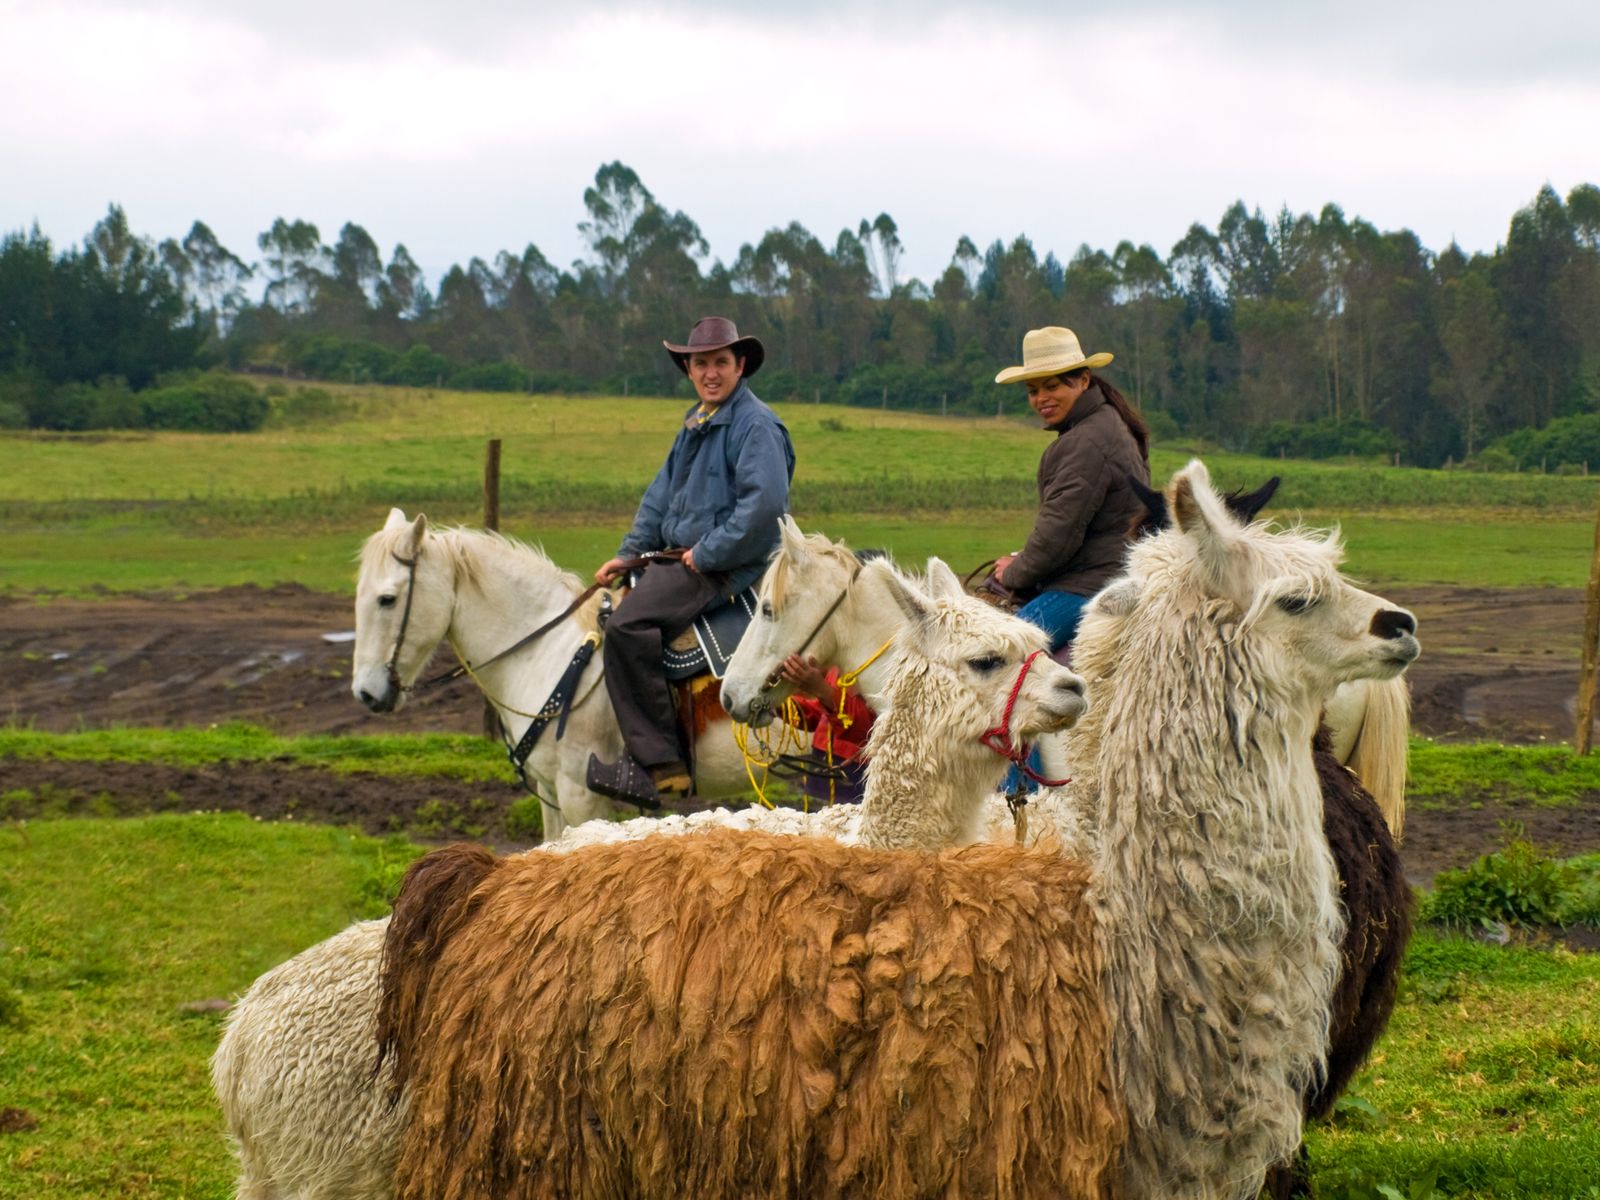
(1000, 565)
(809, 678)
(688, 560)
(609, 570)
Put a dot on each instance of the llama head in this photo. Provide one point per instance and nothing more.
(404, 600)
(1309, 628)
(788, 615)
(963, 663)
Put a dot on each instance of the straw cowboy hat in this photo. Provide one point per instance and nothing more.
(1050, 351)
(715, 333)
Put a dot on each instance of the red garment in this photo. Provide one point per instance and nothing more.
(848, 743)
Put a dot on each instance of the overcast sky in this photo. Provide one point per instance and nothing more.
(469, 127)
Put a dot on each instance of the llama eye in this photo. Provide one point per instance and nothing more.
(1295, 605)
(985, 664)
(385, 601)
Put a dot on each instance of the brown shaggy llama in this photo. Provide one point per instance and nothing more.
(763, 1017)
(1213, 898)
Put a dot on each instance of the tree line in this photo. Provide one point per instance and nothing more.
(1309, 335)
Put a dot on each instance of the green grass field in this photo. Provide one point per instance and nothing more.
(1488, 1079)
(126, 511)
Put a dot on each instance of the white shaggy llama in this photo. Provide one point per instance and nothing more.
(294, 1070)
(1212, 900)
(1214, 885)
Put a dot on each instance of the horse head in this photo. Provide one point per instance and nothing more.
(798, 603)
(404, 601)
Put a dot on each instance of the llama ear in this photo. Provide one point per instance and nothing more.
(397, 518)
(1198, 512)
(914, 604)
(1118, 598)
(790, 539)
(943, 583)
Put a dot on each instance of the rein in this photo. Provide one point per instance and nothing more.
(393, 670)
(999, 740)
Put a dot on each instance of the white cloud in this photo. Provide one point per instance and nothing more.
(465, 129)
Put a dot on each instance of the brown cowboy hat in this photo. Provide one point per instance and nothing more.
(715, 333)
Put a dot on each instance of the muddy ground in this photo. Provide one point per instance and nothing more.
(1497, 664)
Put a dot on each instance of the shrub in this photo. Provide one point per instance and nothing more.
(212, 403)
(1519, 885)
(524, 820)
(1326, 438)
(489, 377)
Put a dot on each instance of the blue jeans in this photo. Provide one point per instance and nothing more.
(1057, 613)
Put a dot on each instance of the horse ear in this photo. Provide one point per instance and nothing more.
(1156, 517)
(943, 582)
(397, 518)
(790, 538)
(1245, 505)
(1198, 512)
(419, 530)
(915, 606)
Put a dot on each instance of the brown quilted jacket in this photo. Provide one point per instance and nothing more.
(1085, 504)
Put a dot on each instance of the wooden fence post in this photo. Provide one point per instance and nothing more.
(491, 521)
(1591, 647)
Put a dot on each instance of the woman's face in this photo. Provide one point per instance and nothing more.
(1054, 397)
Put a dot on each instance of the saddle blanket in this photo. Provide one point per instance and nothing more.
(716, 636)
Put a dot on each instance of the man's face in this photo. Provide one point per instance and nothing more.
(715, 373)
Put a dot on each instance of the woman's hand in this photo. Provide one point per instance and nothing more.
(808, 678)
(1000, 565)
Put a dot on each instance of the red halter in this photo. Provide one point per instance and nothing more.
(999, 740)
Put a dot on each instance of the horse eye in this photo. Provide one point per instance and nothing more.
(985, 664)
(386, 601)
(766, 610)
(1295, 605)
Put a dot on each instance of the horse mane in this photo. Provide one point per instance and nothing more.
(467, 549)
(818, 544)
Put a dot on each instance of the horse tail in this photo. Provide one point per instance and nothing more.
(437, 898)
(1378, 757)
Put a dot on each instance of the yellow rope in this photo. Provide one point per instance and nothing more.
(790, 737)
(848, 681)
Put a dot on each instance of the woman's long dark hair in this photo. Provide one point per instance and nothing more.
(1129, 414)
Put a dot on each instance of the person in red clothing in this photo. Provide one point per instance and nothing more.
(836, 740)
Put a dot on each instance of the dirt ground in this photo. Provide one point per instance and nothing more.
(1497, 663)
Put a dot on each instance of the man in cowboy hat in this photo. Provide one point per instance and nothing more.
(718, 497)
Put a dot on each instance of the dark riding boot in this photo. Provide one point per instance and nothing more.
(631, 783)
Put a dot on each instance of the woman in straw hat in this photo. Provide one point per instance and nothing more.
(1086, 505)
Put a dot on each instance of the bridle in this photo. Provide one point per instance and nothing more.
(462, 668)
(396, 688)
(762, 702)
(998, 737)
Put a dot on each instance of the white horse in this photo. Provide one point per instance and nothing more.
(815, 594)
(419, 586)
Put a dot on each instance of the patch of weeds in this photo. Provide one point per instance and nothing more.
(833, 425)
(525, 819)
(1425, 1187)
(1520, 885)
(12, 1013)
(17, 803)
(381, 883)
(1358, 1112)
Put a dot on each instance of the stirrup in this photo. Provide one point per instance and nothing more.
(623, 780)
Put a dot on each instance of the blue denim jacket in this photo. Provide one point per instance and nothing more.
(721, 491)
